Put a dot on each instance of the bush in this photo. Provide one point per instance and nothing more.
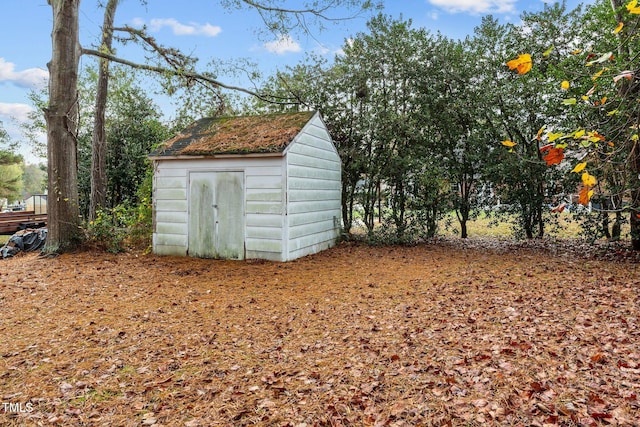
(109, 230)
(124, 226)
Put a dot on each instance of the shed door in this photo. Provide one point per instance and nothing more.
(216, 215)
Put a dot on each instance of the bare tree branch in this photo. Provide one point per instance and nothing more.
(186, 74)
(279, 19)
(298, 13)
(171, 56)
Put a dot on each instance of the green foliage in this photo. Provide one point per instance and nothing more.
(133, 128)
(10, 182)
(109, 230)
(35, 126)
(518, 107)
(35, 179)
(597, 123)
(141, 221)
(400, 100)
(430, 201)
(122, 227)
(11, 170)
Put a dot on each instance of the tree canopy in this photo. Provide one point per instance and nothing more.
(60, 113)
(520, 120)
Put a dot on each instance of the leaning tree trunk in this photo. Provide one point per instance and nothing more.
(61, 118)
(98, 197)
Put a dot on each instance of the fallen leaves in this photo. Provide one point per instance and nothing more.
(440, 334)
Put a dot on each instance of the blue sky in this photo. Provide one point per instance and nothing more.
(204, 29)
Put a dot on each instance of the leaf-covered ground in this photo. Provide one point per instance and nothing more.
(439, 334)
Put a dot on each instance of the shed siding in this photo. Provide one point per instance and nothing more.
(264, 207)
(292, 203)
(314, 191)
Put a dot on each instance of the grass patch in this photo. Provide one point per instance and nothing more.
(565, 226)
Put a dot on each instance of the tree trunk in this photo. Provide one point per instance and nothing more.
(463, 218)
(464, 233)
(634, 164)
(605, 224)
(634, 220)
(98, 197)
(61, 117)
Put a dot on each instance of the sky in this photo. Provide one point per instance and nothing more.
(206, 30)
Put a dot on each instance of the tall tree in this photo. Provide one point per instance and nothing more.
(10, 170)
(99, 137)
(521, 109)
(460, 123)
(132, 126)
(612, 110)
(61, 119)
(602, 143)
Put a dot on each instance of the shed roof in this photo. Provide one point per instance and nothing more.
(269, 133)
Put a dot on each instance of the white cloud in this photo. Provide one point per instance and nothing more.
(322, 50)
(137, 22)
(31, 78)
(284, 44)
(210, 30)
(11, 116)
(18, 112)
(180, 29)
(476, 6)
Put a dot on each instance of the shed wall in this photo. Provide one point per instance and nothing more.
(314, 191)
(264, 203)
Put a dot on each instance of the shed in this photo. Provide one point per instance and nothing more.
(266, 187)
(37, 203)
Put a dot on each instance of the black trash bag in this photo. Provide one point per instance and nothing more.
(24, 240)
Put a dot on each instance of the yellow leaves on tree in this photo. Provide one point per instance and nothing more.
(579, 167)
(597, 75)
(522, 64)
(508, 143)
(588, 181)
(584, 196)
(553, 136)
(618, 28)
(633, 7)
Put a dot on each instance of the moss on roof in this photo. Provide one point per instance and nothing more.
(236, 135)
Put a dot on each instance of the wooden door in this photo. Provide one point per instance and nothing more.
(216, 215)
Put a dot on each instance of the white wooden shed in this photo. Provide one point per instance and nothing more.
(266, 187)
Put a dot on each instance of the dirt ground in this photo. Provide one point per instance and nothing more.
(440, 334)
